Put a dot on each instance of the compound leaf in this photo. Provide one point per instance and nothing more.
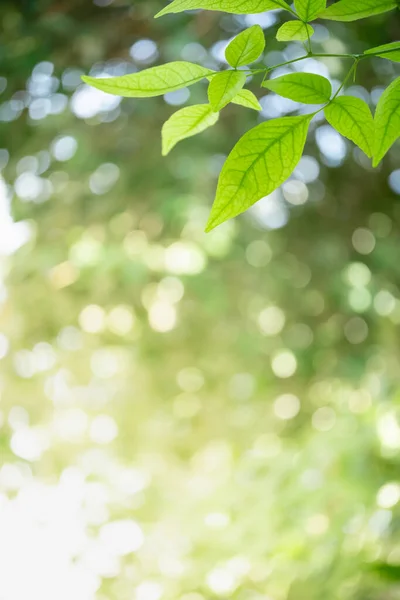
(185, 123)
(301, 87)
(246, 47)
(239, 7)
(224, 87)
(294, 30)
(351, 10)
(308, 10)
(389, 51)
(151, 82)
(259, 163)
(352, 118)
(387, 121)
(247, 99)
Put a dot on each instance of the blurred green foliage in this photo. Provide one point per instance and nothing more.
(186, 415)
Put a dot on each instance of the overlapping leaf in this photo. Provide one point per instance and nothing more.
(185, 123)
(294, 30)
(259, 163)
(301, 87)
(387, 121)
(308, 10)
(352, 118)
(247, 99)
(151, 82)
(246, 47)
(390, 51)
(351, 10)
(224, 87)
(239, 7)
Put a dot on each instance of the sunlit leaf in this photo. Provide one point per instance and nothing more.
(185, 123)
(294, 30)
(259, 163)
(246, 47)
(224, 87)
(390, 51)
(239, 7)
(247, 99)
(151, 82)
(351, 10)
(387, 121)
(301, 87)
(352, 118)
(308, 10)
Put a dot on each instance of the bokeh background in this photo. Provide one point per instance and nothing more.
(185, 415)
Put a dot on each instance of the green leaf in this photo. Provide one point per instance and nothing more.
(186, 122)
(389, 51)
(308, 10)
(224, 86)
(246, 47)
(247, 99)
(259, 163)
(301, 87)
(387, 121)
(294, 30)
(352, 118)
(351, 10)
(239, 7)
(151, 82)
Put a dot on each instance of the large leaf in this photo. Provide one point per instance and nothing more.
(308, 10)
(224, 87)
(390, 51)
(185, 123)
(301, 87)
(259, 163)
(387, 120)
(352, 118)
(247, 99)
(239, 7)
(151, 82)
(294, 30)
(246, 47)
(351, 10)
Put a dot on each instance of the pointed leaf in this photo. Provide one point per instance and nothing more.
(224, 86)
(239, 7)
(387, 121)
(389, 51)
(247, 99)
(185, 123)
(351, 10)
(259, 163)
(246, 47)
(352, 118)
(151, 82)
(308, 10)
(301, 87)
(294, 30)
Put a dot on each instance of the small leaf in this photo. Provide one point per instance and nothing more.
(185, 123)
(151, 82)
(246, 47)
(238, 7)
(352, 118)
(294, 30)
(308, 10)
(259, 163)
(387, 121)
(224, 86)
(247, 99)
(389, 51)
(351, 10)
(301, 87)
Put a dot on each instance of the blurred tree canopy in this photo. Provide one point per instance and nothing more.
(189, 415)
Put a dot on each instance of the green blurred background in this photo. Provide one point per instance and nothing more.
(185, 415)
